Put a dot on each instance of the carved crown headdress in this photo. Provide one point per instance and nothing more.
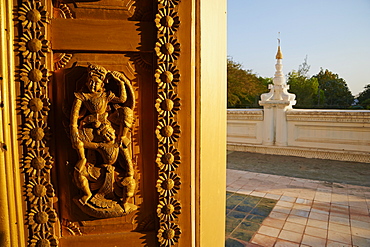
(97, 70)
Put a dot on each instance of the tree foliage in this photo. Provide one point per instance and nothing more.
(304, 87)
(243, 86)
(335, 91)
(364, 97)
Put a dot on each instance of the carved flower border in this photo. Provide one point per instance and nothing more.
(168, 131)
(37, 161)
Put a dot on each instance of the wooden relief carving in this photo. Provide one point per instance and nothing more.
(35, 107)
(100, 127)
(168, 131)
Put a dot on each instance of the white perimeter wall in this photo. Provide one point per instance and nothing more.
(326, 134)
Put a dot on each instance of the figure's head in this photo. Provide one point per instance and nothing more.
(96, 76)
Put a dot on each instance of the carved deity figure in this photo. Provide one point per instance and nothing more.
(101, 122)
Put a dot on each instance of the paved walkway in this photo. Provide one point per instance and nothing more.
(308, 212)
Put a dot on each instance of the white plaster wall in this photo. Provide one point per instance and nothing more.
(329, 129)
(333, 134)
(245, 126)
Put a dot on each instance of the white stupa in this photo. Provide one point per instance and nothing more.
(275, 105)
(279, 89)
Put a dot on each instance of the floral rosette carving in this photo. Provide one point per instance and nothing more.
(167, 104)
(168, 234)
(167, 77)
(169, 3)
(43, 239)
(39, 192)
(34, 73)
(32, 14)
(168, 184)
(168, 131)
(34, 134)
(168, 158)
(41, 218)
(167, 21)
(35, 104)
(34, 45)
(167, 49)
(37, 163)
(168, 209)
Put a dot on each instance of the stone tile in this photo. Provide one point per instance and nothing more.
(273, 196)
(304, 201)
(339, 220)
(290, 236)
(341, 215)
(258, 194)
(299, 212)
(278, 215)
(283, 243)
(339, 237)
(360, 217)
(318, 216)
(332, 243)
(245, 191)
(302, 207)
(316, 232)
(281, 209)
(360, 224)
(287, 198)
(313, 241)
(263, 240)
(242, 235)
(273, 222)
(361, 232)
(284, 204)
(233, 243)
(337, 208)
(292, 193)
(360, 241)
(323, 197)
(297, 219)
(317, 223)
(358, 210)
(255, 218)
(339, 228)
(294, 227)
(269, 231)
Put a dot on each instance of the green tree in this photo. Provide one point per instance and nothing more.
(302, 86)
(364, 97)
(243, 86)
(335, 90)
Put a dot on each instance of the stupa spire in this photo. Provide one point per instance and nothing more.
(279, 54)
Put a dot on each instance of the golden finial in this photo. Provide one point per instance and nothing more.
(279, 54)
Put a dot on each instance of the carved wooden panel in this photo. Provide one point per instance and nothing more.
(99, 110)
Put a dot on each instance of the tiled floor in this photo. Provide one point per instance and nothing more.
(244, 215)
(307, 212)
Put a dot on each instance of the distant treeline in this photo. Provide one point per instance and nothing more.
(324, 90)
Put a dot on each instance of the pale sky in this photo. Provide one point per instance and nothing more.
(334, 34)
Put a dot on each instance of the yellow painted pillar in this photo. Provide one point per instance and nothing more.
(11, 212)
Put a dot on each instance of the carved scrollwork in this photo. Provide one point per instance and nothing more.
(62, 59)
